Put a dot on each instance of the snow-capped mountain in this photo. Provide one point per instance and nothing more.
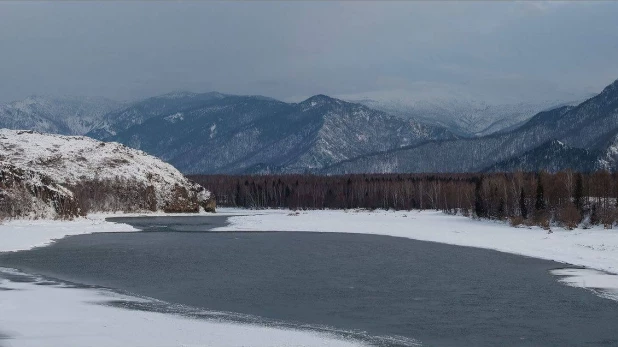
(239, 134)
(58, 115)
(589, 128)
(97, 175)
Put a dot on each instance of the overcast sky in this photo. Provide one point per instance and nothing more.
(290, 50)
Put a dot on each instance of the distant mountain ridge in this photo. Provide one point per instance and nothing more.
(238, 134)
(60, 115)
(140, 111)
(233, 134)
(466, 117)
(591, 127)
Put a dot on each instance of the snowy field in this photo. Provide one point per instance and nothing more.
(35, 315)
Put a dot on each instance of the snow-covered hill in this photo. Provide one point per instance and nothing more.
(59, 115)
(98, 176)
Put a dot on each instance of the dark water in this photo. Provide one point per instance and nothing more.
(439, 294)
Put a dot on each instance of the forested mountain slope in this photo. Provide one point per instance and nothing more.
(590, 126)
(240, 134)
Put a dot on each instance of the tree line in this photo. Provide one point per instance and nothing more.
(565, 198)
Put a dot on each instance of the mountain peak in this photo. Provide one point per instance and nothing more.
(320, 100)
(177, 94)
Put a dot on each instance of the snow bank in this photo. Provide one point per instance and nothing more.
(19, 235)
(57, 315)
(595, 248)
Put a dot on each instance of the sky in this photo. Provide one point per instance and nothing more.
(499, 51)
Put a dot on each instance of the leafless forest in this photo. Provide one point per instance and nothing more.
(565, 199)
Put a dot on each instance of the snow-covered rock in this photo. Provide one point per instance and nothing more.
(98, 175)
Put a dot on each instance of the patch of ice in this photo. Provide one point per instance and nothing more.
(601, 283)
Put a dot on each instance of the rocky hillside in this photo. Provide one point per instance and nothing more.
(74, 174)
(253, 134)
(63, 115)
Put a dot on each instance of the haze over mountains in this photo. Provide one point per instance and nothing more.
(466, 110)
(551, 140)
(69, 115)
(220, 133)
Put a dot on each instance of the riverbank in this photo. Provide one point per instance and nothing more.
(38, 312)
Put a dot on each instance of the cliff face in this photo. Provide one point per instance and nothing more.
(26, 193)
(74, 175)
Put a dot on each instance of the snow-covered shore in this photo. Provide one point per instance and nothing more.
(58, 315)
(24, 234)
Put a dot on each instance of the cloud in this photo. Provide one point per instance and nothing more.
(126, 50)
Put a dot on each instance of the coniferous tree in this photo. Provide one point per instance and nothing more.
(479, 206)
(522, 204)
(540, 196)
(578, 192)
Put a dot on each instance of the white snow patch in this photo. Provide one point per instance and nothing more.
(213, 130)
(594, 248)
(20, 234)
(602, 283)
(175, 117)
(35, 315)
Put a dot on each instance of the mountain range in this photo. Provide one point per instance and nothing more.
(220, 133)
(586, 134)
(232, 134)
(71, 115)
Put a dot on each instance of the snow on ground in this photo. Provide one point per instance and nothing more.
(595, 248)
(57, 315)
(23, 234)
(606, 283)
